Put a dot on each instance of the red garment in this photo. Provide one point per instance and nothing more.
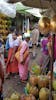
(12, 66)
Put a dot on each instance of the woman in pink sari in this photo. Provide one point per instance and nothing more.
(23, 66)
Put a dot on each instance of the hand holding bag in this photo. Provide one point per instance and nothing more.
(25, 54)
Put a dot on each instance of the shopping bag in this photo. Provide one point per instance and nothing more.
(25, 54)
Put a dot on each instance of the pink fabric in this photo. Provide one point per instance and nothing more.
(24, 46)
(23, 68)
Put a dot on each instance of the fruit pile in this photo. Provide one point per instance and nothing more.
(17, 96)
(38, 84)
(35, 70)
(5, 23)
(37, 88)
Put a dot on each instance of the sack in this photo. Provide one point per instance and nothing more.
(17, 55)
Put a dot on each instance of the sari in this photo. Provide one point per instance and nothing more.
(23, 67)
(12, 64)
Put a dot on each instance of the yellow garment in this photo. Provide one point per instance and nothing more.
(17, 55)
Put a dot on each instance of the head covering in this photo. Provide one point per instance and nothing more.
(26, 35)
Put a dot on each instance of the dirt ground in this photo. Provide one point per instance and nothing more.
(13, 84)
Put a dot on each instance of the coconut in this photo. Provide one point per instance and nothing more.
(43, 81)
(35, 69)
(30, 97)
(28, 86)
(49, 74)
(33, 80)
(7, 99)
(44, 94)
(15, 96)
(23, 96)
(54, 95)
(34, 91)
(54, 84)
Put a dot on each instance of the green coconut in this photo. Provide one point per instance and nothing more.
(44, 94)
(7, 99)
(27, 88)
(15, 96)
(43, 81)
(54, 96)
(34, 91)
(36, 70)
(54, 85)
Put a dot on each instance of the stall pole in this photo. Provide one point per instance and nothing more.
(51, 67)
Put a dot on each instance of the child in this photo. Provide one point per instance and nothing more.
(1, 81)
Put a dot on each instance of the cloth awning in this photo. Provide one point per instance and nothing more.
(7, 9)
(20, 8)
(35, 12)
(27, 10)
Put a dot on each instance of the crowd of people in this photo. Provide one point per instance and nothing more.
(18, 54)
(14, 44)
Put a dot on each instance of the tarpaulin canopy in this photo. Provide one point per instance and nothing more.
(3, 0)
(7, 9)
(21, 8)
(34, 12)
(11, 9)
(27, 10)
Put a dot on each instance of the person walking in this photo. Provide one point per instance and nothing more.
(35, 38)
(12, 64)
(23, 63)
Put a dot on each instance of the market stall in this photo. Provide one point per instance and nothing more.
(5, 23)
(39, 85)
(7, 11)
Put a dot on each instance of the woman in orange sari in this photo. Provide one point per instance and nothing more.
(12, 64)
